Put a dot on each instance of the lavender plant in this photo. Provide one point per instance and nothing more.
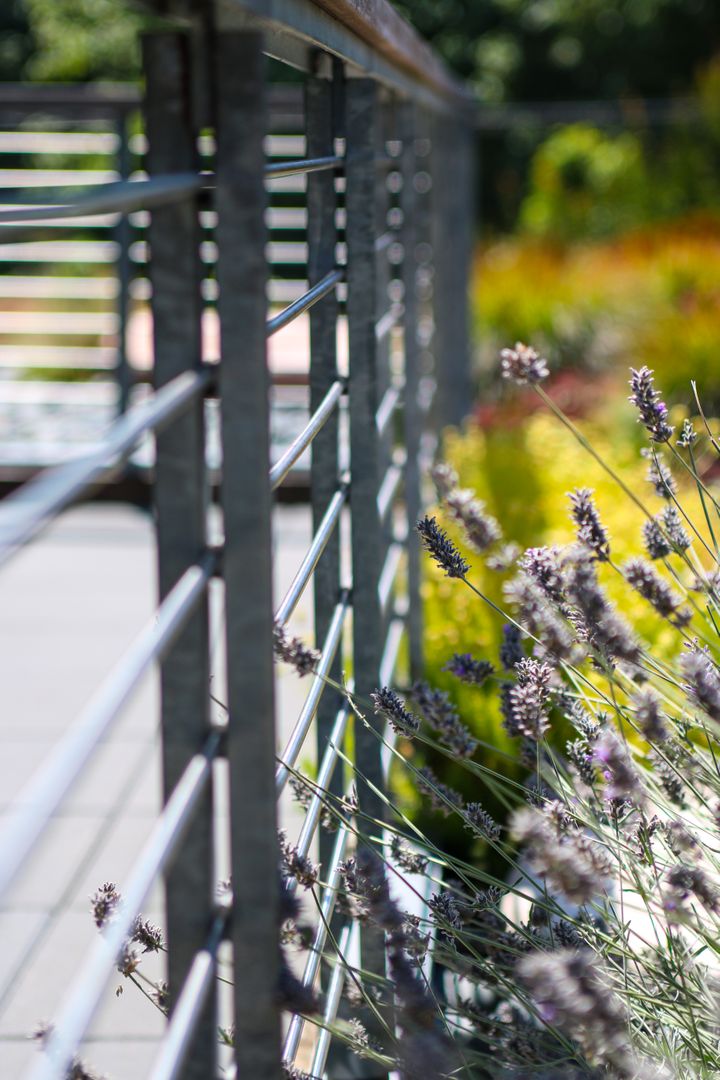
(594, 950)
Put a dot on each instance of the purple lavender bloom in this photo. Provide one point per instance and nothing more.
(591, 531)
(445, 479)
(391, 706)
(469, 670)
(441, 715)
(655, 540)
(441, 548)
(525, 705)
(648, 715)
(523, 365)
(511, 650)
(659, 475)
(596, 619)
(572, 864)
(480, 528)
(688, 436)
(684, 880)
(704, 680)
(479, 821)
(573, 993)
(645, 579)
(621, 776)
(539, 619)
(653, 411)
(542, 565)
(294, 651)
(104, 904)
(674, 529)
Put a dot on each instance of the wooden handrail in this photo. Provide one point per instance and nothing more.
(377, 23)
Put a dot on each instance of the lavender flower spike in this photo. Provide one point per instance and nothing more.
(523, 365)
(645, 579)
(591, 531)
(574, 994)
(391, 706)
(465, 667)
(511, 650)
(441, 548)
(703, 679)
(480, 528)
(294, 651)
(653, 411)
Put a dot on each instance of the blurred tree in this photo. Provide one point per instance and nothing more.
(554, 50)
(68, 40)
(81, 40)
(543, 50)
(16, 39)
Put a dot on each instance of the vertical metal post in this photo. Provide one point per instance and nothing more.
(412, 412)
(450, 244)
(246, 501)
(320, 99)
(123, 269)
(362, 122)
(180, 502)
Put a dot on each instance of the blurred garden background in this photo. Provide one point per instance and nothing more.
(598, 187)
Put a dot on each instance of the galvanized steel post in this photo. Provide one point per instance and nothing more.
(181, 507)
(362, 125)
(413, 417)
(321, 125)
(246, 502)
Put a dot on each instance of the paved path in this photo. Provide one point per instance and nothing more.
(70, 603)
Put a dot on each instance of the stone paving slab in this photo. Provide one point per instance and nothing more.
(70, 604)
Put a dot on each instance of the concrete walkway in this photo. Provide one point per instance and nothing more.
(71, 603)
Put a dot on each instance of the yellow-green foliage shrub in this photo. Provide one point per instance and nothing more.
(651, 296)
(523, 473)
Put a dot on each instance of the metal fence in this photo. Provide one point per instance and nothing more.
(386, 179)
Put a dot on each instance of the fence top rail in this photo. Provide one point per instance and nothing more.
(83, 100)
(369, 35)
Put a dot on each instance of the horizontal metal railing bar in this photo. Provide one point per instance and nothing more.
(90, 221)
(346, 943)
(126, 196)
(316, 422)
(98, 252)
(120, 197)
(387, 321)
(51, 357)
(317, 546)
(390, 483)
(304, 302)
(89, 100)
(58, 142)
(312, 965)
(24, 513)
(389, 573)
(85, 994)
(58, 288)
(60, 323)
(320, 786)
(307, 713)
(42, 795)
(198, 983)
(304, 165)
(391, 399)
(49, 179)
